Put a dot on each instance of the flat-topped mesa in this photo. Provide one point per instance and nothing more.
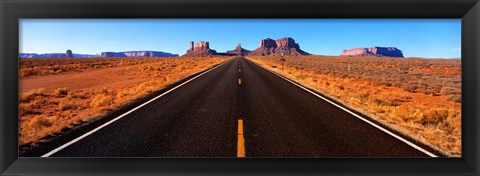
(199, 49)
(287, 42)
(373, 51)
(137, 54)
(68, 54)
(275, 47)
(112, 54)
(386, 51)
(238, 51)
(268, 43)
(148, 54)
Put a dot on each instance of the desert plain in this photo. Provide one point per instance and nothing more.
(420, 98)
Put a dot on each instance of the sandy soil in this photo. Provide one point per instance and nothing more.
(117, 77)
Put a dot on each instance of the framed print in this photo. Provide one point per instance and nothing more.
(239, 87)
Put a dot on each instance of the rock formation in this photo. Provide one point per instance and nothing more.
(373, 51)
(137, 54)
(238, 51)
(199, 49)
(112, 54)
(69, 54)
(274, 47)
(53, 55)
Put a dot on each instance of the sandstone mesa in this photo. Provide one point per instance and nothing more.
(373, 51)
(269, 46)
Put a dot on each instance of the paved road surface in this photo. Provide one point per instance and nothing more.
(237, 109)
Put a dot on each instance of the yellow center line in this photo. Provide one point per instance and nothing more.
(241, 140)
(239, 81)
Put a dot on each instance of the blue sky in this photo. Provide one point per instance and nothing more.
(429, 38)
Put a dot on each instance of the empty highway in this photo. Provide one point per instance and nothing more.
(237, 109)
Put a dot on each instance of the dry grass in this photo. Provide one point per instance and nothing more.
(46, 111)
(418, 97)
(53, 66)
(61, 92)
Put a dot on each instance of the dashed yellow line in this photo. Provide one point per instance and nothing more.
(241, 140)
(239, 81)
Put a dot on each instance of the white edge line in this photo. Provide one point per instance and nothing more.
(356, 115)
(119, 117)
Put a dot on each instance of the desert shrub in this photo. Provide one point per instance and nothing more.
(123, 94)
(61, 92)
(68, 103)
(166, 78)
(397, 84)
(159, 68)
(40, 91)
(454, 121)
(411, 88)
(434, 116)
(147, 86)
(428, 91)
(407, 113)
(386, 102)
(102, 100)
(28, 109)
(25, 72)
(26, 97)
(455, 98)
(40, 122)
(450, 90)
(30, 95)
(363, 96)
(453, 93)
(104, 91)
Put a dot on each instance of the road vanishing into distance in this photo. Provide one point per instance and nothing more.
(236, 109)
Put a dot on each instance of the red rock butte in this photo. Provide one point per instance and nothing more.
(269, 46)
(373, 51)
(238, 51)
(200, 49)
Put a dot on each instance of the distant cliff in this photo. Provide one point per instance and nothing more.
(373, 51)
(275, 47)
(137, 54)
(70, 54)
(67, 54)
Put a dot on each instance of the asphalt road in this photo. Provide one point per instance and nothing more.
(237, 109)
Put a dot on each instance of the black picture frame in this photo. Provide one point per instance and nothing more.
(11, 11)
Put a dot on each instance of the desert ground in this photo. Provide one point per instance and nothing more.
(55, 94)
(420, 98)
